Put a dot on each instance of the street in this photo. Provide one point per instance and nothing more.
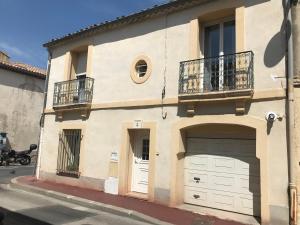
(9, 172)
(24, 208)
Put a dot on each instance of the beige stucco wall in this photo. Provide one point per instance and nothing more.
(114, 52)
(103, 135)
(20, 108)
(166, 41)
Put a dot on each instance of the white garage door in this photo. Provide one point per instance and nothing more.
(222, 174)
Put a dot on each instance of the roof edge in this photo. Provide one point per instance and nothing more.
(22, 70)
(155, 11)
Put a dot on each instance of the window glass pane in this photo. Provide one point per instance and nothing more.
(141, 68)
(229, 37)
(81, 62)
(145, 154)
(212, 41)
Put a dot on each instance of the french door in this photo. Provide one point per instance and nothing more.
(219, 49)
(81, 87)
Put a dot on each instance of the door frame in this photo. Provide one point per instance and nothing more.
(126, 156)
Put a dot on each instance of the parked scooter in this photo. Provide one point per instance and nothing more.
(12, 156)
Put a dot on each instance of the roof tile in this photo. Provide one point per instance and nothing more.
(23, 68)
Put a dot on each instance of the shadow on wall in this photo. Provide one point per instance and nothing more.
(72, 116)
(210, 108)
(275, 50)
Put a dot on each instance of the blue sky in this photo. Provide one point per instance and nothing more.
(25, 25)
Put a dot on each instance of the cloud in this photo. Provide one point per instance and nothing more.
(12, 50)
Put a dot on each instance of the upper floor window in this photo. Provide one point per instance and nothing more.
(219, 44)
(219, 39)
(80, 63)
(141, 69)
(77, 63)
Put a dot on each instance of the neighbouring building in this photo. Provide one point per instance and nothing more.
(22, 97)
(183, 104)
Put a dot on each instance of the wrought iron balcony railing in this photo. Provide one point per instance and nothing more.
(232, 72)
(73, 92)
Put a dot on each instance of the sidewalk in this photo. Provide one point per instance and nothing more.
(140, 209)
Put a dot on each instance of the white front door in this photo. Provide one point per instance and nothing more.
(140, 166)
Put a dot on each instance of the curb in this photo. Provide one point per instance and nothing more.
(132, 214)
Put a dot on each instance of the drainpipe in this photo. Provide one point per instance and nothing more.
(292, 156)
(41, 138)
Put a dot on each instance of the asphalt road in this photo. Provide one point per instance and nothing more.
(24, 208)
(11, 171)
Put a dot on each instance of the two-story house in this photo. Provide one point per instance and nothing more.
(22, 97)
(183, 104)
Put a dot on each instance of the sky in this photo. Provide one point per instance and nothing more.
(25, 25)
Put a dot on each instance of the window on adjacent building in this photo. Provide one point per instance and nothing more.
(69, 152)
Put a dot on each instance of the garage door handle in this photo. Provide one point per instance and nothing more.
(197, 179)
(196, 196)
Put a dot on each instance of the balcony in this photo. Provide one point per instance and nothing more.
(217, 78)
(77, 93)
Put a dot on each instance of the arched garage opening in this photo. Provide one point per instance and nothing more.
(215, 143)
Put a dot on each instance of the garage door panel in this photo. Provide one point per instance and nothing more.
(240, 165)
(213, 199)
(222, 182)
(223, 200)
(199, 162)
(196, 197)
(222, 164)
(196, 179)
(221, 147)
(223, 174)
(251, 185)
(247, 203)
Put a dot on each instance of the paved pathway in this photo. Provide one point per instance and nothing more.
(163, 213)
(23, 208)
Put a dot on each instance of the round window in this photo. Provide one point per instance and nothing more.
(141, 69)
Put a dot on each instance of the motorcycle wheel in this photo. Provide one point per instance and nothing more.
(25, 161)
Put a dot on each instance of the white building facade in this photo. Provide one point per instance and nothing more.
(170, 105)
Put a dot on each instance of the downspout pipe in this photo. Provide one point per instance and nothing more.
(38, 164)
(291, 115)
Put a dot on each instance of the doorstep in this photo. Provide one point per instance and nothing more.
(138, 209)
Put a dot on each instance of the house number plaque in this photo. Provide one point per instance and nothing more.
(138, 124)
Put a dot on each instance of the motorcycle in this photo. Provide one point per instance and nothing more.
(12, 156)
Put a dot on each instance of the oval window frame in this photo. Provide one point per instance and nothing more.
(133, 74)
